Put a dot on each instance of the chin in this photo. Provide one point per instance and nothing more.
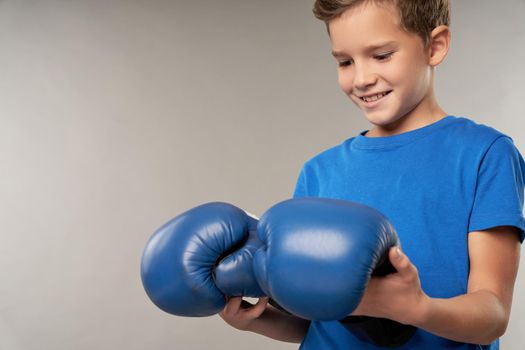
(382, 121)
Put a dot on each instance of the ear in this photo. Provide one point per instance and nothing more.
(439, 45)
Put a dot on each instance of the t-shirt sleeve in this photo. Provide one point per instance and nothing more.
(300, 187)
(499, 190)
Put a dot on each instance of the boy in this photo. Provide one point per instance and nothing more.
(452, 188)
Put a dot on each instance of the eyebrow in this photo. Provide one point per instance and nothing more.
(367, 49)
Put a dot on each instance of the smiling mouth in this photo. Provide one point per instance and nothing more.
(375, 97)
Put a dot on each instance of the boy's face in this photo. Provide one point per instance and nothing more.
(382, 68)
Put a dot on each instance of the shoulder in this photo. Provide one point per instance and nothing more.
(330, 157)
(468, 137)
(465, 129)
(316, 169)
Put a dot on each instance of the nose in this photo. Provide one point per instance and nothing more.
(364, 77)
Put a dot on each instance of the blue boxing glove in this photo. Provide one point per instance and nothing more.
(193, 262)
(318, 257)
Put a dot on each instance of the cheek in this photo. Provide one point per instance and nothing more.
(420, 85)
(345, 82)
(413, 78)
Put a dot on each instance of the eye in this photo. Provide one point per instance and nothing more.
(383, 56)
(345, 63)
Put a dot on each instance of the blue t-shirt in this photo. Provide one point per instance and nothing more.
(435, 184)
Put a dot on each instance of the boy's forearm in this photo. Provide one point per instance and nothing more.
(280, 326)
(476, 318)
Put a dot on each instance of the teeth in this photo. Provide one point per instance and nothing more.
(373, 98)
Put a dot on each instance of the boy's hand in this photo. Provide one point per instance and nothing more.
(240, 314)
(396, 296)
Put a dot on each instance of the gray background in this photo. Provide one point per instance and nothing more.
(116, 115)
